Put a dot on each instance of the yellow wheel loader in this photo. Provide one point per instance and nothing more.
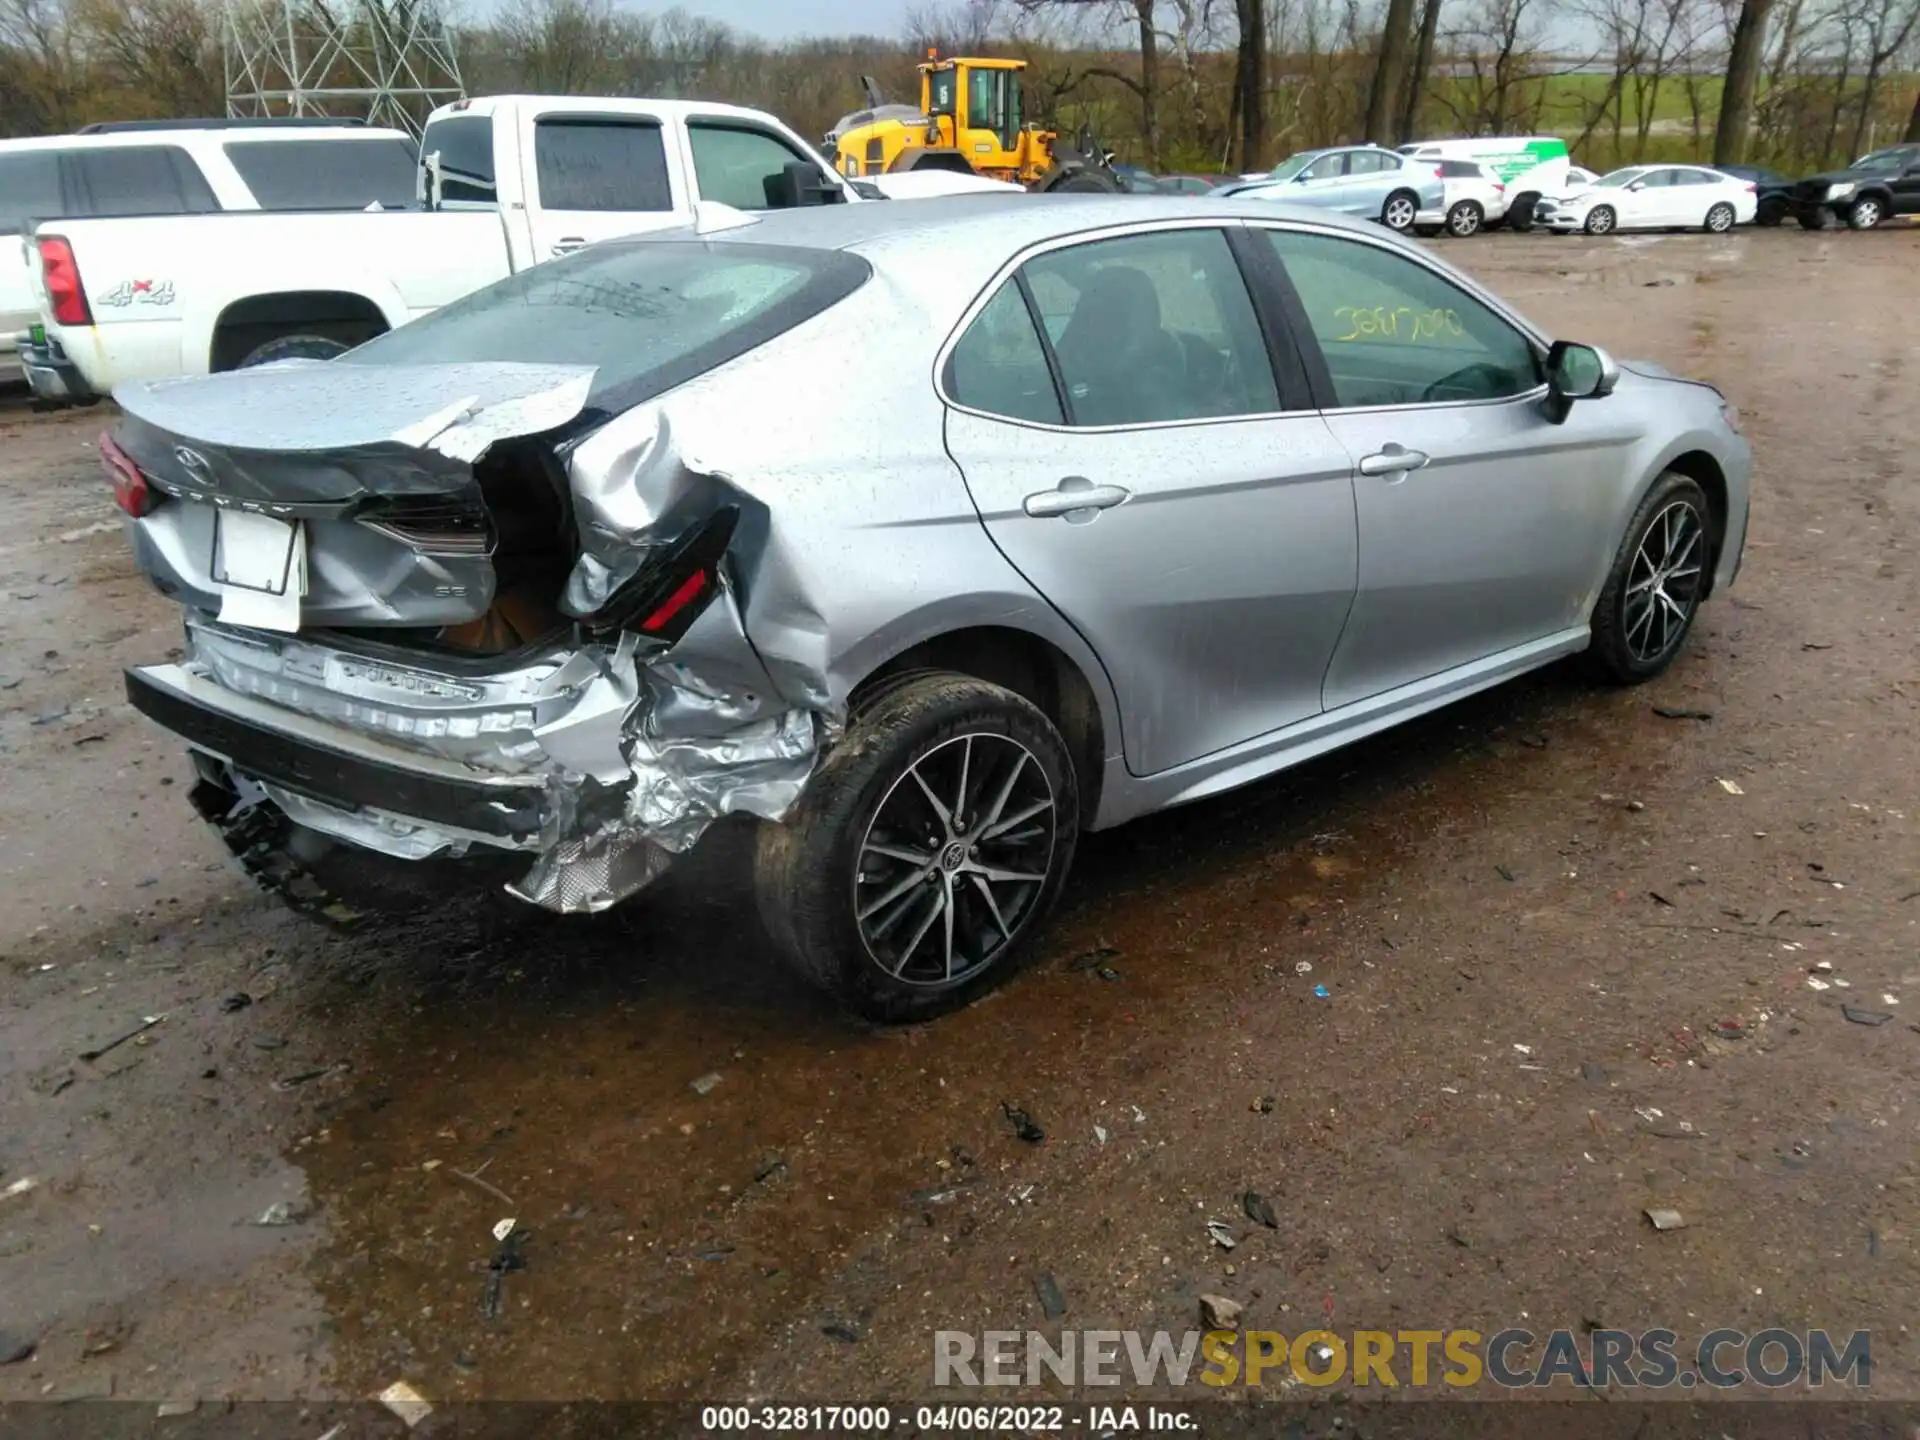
(969, 120)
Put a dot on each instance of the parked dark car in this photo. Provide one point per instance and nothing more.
(1136, 181)
(1189, 184)
(1875, 186)
(1775, 191)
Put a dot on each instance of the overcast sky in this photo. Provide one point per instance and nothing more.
(785, 19)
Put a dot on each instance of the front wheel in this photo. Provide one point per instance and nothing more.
(929, 845)
(1654, 589)
(1865, 213)
(1464, 219)
(1399, 212)
(1771, 212)
(1600, 220)
(1520, 212)
(1720, 219)
(1817, 220)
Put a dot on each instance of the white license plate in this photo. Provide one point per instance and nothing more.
(254, 552)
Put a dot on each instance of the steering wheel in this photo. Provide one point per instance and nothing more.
(1493, 375)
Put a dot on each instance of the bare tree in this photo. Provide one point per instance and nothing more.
(1416, 81)
(1383, 97)
(1743, 72)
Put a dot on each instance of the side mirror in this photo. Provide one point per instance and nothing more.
(429, 192)
(1577, 372)
(798, 183)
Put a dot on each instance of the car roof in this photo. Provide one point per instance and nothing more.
(117, 139)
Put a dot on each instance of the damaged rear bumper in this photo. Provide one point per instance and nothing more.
(596, 765)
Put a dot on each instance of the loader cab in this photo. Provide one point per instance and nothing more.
(978, 103)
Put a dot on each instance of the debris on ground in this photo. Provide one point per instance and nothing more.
(1221, 1234)
(284, 1212)
(239, 1000)
(1263, 1105)
(1217, 1312)
(1320, 992)
(173, 1409)
(769, 1166)
(20, 1187)
(1303, 967)
(14, 1348)
(1107, 972)
(147, 1022)
(406, 1402)
(1666, 1219)
(845, 1334)
(1023, 1126)
(1100, 1134)
(1092, 959)
(507, 1258)
(268, 1042)
(294, 1082)
(1864, 1017)
(1052, 1302)
(1674, 712)
(1533, 741)
(1731, 788)
(1593, 1074)
(707, 1084)
(104, 1337)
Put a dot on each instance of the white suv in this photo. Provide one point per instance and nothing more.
(1472, 199)
(186, 168)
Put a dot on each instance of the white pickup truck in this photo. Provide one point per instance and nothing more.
(506, 183)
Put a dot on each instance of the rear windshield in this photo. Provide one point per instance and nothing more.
(651, 314)
(1459, 170)
(327, 174)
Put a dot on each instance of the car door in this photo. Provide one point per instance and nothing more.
(1372, 175)
(1147, 455)
(1481, 522)
(1323, 182)
(596, 176)
(1666, 199)
(1906, 186)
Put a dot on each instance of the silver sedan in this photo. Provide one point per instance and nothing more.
(931, 534)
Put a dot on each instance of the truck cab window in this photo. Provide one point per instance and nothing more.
(29, 189)
(601, 164)
(465, 146)
(736, 165)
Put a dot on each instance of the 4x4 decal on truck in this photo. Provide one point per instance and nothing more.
(143, 292)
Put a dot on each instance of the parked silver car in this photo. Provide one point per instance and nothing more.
(931, 533)
(1363, 180)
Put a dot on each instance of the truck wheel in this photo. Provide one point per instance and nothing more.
(1771, 212)
(1520, 212)
(292, 347)
(931, 842)
(1078, 180)
(1865, 213)
(1818, 220)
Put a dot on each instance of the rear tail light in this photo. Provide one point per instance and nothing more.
(1498, 188)
(667, 596)
(1753, 189)
(62, 276)
(130, 490)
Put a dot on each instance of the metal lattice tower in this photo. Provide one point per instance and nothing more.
(388, 62)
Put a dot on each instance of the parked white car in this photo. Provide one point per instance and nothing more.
(1653, 197)
(1471, 200)
(186, 168)
(507, 183)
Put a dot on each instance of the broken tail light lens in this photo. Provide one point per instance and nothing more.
(666, 597)
(62, 275)
(130, 491)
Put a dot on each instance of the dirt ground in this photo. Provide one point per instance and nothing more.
(1567, 945)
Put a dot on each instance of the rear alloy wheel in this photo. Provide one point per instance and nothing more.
(1600, 220)
(1658, 578)
(1720, 219)
(1865, 213)
(931, 842)
(1399, 211)
(1464, 219)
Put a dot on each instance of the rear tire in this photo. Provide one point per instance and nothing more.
(1601, 220)
(1720, 219)
(1819, 220)
(292, 347)
(1771, 212)
(866, 829)
(1078, 180)
(1465, 219)
(1400, 211)
(1648, 605)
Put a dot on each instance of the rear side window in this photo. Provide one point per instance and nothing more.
(650, 314)
(465, 146)
(140, 180)
(592, 164)
(326, 174)
(999, 365)
(29, 189)
(735, 165)
(1459, 170)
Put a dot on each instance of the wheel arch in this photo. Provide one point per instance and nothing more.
(1034, 668)
(1705, 471)
(247, 321)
